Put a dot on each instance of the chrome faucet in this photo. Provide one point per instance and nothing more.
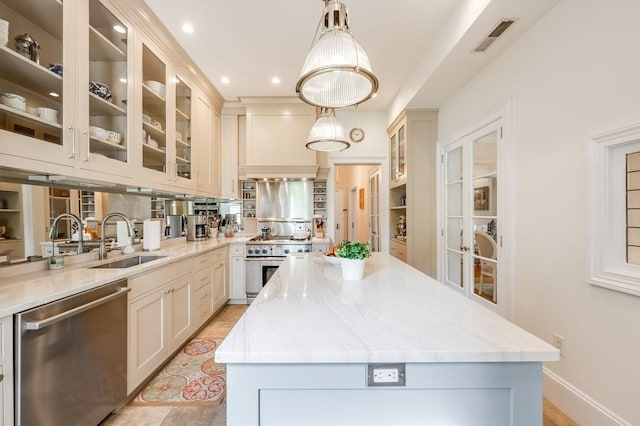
(103, 248)
(54, 229)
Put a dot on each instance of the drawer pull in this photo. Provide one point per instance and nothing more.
(169, 290)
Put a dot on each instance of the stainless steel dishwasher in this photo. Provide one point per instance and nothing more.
(71, 358)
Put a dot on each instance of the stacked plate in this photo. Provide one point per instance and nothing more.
(4, 32)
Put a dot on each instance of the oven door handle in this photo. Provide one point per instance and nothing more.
(37, 325)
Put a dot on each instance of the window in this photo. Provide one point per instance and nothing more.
(614, 210)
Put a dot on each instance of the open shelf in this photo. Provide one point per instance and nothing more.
(99, 106)
(29, 117)
(155, 133)
(154, 105)
(26, 73)
(102, 50)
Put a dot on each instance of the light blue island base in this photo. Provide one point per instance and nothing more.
(508, 393)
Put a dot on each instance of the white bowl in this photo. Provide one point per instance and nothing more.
(334, 260)
(48, 114)
(156, 87)
(14, 101)
(98, 132)
(152, 143)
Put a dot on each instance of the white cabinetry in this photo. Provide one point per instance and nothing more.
(6, 370)
(229, 155)
(320, 245)
(202, 290)
(412, 183)
(78, 35)
(159, 318)
(275, 143)
(238, 293)
(220, 267)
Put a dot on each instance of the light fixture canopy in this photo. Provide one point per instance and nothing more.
(327, 133)
(337, 72)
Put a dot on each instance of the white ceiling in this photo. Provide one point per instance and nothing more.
(420, 50)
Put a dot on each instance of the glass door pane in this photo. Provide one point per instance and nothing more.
(401, 153)
(154, 124)
(183, 129)
(484, 216)
(454, 243)
(374, 210)
(31, 71)
(107, 83)
(393, 157)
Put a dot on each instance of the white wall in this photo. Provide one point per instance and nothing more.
(574, 74)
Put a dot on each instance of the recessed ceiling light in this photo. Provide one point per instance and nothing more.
(187, 28)
(54, 94)
(275, 80)
(225, 80)
(120, 29)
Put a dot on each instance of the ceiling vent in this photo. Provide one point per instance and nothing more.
(494, 34)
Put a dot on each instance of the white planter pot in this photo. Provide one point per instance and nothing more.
(352, 269)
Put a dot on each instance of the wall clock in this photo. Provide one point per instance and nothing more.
(356, 134)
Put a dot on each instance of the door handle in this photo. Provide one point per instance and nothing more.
(73, 143)
(464, 248)
(37, 325)
(88, 157)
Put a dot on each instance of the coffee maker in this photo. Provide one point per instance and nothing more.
(197, 228)
(175, 226)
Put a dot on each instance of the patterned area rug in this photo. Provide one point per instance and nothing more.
(192, 377)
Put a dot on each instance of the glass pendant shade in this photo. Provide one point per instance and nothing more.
(327, 134)
(337, 72)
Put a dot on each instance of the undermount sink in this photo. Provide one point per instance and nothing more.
(128, 262)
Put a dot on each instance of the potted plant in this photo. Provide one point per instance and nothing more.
(353, 255)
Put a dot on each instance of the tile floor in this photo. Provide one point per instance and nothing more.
(219, 327)
(203, 415)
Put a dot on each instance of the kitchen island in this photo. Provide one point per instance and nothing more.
(306, 350)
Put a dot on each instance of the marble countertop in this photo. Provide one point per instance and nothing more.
(25, 291)
(307, 314)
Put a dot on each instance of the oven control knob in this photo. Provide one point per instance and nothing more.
(250, 251)
(286, 251)
(299, 250)
(264, 251)
(306, 250)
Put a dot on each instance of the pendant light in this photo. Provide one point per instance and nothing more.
(337, 72)
(327, 134)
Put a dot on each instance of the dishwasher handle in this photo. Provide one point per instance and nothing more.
(37, 325)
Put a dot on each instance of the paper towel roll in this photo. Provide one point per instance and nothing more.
(122, 237)
(151, 234)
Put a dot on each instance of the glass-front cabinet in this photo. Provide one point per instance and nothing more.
(183, 165)
(397, 152)
(108, 87)
(36, 99)
(154, 112)
(63, 84)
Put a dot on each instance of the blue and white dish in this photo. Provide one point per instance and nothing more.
(101, 90)
(56, 68)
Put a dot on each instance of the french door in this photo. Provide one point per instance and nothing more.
(472, 189)
(374, 209)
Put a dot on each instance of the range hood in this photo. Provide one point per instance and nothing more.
(278, 172)
(285, 200)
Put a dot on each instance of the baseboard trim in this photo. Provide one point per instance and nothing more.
(576, 404)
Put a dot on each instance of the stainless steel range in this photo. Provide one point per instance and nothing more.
(264, 256)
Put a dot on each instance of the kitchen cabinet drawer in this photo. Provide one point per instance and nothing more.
(143, 284)
(220, 255)
(398, 250)
(202, 278)
(237, 249)
(202, 261)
